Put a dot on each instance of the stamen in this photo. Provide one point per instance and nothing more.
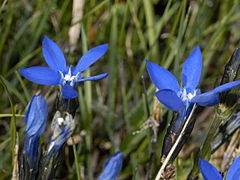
(62, 76)
(190, 96)
(67, 77)
(187, 96)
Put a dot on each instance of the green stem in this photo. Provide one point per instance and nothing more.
(76, 159)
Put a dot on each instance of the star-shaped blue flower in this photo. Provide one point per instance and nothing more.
(59, 73)
(209, 172)
(179, 98)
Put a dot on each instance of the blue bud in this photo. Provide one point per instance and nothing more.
(112, 167)
(35, 119)
(62, 128)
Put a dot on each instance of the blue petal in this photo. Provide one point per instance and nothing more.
(170, 99)
(68, 92)
(94, 78)
(236, 175)
(211, 98)
(41, 75)
(182, 115)
(209, 172)
(226, 87)
(36, 116)
(31, 149)
(112, 167)
(35, 119)
(59, 141)
(161, 77)
(90, 57)
(206, 99)
(192, 69)
(234, 170)
(53, 55)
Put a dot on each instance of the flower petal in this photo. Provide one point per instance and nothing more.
(112, 167)
(94, 78)
(35, 119)
(226, 87)
(41, 75)
(161, 77)
(53, 55)
(58, 142)
(206, 99)
(170, 99)
(192, 69)
(234, 170)
(211, 98)
(236, 175)
(68, 92)
(36, 116)
(30, 148)
(90, 57)
(209, 172)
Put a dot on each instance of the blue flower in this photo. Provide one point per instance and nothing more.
(62, 128)
(59, 73)
(112, 167)
(35, 119)
(181, 99)
(209, 172)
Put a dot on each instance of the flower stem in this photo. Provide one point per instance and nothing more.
(76, 159)
(174, 146)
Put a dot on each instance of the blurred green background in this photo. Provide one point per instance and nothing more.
(112, 109)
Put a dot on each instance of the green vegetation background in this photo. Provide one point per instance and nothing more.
(111, 109)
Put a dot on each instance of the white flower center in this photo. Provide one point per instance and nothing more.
(187, 96)
(69, 78)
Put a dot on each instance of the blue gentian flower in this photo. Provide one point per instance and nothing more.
(35, 119)
(59, 73)
(112, 167)
(62, 128)
(181, 99)
(209, 172)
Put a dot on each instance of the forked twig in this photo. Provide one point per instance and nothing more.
(174, 146)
